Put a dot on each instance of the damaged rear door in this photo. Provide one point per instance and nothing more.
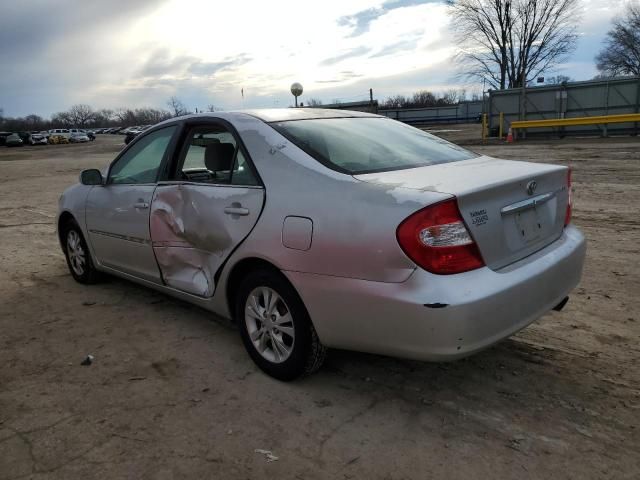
(206, 209)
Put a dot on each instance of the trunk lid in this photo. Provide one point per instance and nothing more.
(512, 209)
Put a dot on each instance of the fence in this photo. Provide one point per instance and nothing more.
(369, 106)
(571, 100)
(463, 112)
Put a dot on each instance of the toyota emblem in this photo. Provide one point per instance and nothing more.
(531, 187)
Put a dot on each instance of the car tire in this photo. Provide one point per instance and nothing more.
(78, 256)
(277, 332)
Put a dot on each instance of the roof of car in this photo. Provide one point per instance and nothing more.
(275, 114)
(284, 114)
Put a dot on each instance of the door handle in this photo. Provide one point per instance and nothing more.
(141, 205)
(236, 211)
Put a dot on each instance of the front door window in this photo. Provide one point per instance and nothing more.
(140, 164)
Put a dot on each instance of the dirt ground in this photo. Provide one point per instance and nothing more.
(172, 393)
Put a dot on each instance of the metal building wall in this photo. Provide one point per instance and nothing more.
(369, 106)
(571, 100)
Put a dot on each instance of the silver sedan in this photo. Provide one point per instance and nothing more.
(322, 228)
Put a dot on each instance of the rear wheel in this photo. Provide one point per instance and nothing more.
(275, 327)
(77, 255)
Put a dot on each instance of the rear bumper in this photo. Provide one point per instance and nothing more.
(466, 313)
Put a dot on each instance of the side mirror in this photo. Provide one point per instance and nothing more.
(91, 177)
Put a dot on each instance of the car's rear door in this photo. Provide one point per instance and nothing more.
(208, 207)
(117, 213)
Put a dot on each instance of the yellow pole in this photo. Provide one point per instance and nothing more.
(501, 123)
(484, 127)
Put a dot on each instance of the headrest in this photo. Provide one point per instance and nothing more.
(219, 156)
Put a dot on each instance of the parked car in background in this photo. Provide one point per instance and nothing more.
(26, 137)
(57, 138)
(45, 133)
(133, 133)
(3, 137)
(60, 131)
(38, 139)
(418, 249)
(86, 132)
(78, 137)
(14, 140)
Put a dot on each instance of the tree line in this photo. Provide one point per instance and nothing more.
(425, 98)
(85, 116)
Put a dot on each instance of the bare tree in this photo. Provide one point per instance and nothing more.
(61, 119)
(34, 122)
(509, 42)
(122, 115)
(80, 115)
(424, 98)
(211, 108)
(397, 101)
(314, 102)
(176, 106)
(451, 97)
(621, 52)
(558, 79)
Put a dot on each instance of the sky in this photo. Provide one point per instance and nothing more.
(137, 53)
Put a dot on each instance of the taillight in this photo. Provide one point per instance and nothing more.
(436, 239)
(567, 216)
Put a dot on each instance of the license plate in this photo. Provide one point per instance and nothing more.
(529, 224)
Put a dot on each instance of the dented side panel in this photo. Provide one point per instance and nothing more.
(192, 234)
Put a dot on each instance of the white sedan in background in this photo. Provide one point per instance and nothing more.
(38, 139)
(79, 137)
(320, 228)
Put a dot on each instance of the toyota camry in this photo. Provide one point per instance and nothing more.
(317, 229)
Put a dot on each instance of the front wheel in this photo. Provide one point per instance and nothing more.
(275, 327)
(78, 256)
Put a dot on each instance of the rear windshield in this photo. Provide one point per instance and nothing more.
(367, 145)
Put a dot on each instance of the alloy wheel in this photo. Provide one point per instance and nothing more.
(269, 324)
(76, 252)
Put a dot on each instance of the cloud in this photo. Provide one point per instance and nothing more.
(209, 68)
(52, 54)
(405, 45)
(161, 63)
(139, 53)
(361, 21)
(343, 76)
(354, 52)
(27, 28)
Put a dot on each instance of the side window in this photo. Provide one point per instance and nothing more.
(242, 173)
(212, 156)
(209, 157)
(140, 164)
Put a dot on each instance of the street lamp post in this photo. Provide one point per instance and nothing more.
(296, 91)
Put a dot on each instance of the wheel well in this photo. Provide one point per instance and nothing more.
(65, 217)
(241, 270)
